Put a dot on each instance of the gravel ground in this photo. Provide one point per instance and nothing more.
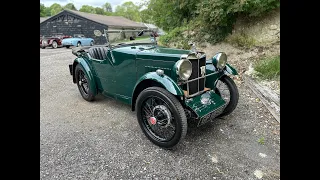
(102, 139)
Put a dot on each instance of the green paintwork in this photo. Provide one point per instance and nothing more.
(88, 72)
(164, 80)
(126, 67)
(210, 80)
(201, 109)
(231, 70)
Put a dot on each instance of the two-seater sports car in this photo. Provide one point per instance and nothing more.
(53, 41)
(77, 40)
(170, 89)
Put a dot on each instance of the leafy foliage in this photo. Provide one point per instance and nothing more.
(268, 68)
(177, 38)
(55, 9)
(128, 10)
(107, 7)
(211, 20)
(70, 6)
(242, 40)
(99, 10)
(42, 10)
(87, 9)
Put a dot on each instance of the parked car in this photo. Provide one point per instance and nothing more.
(53, 41)
(170, 89)
(78, 40)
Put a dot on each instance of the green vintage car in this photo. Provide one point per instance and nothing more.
(170, 89)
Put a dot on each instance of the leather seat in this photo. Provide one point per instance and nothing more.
(98, 53)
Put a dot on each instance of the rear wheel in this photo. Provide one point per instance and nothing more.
(67, 47)
(78, 44)
(91, 43)
(161, 117)
(228, 90)
(83, 83)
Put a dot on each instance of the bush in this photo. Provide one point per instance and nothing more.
(242, 40)
(218, 16)
(177, 38)
(268, 68)
(210, 20)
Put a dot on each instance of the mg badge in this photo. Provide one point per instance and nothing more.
(203, 70)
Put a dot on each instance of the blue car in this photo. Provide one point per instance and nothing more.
(77, 40)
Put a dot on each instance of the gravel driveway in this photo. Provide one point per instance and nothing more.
(102, 139)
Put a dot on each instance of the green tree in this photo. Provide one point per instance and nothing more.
(42, 10)
(55, 9)
(129, 11)
(48, 11)
(213, 19)
(87, 9)
(99, 10)
(146, 16)
(70, 6)
(107, 7)
(170, 14)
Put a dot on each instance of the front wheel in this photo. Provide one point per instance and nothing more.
(161, 117)
(78, 44)
(91, 43)
(228, 90)
(54, 44)
(67, 47)
(83, 83)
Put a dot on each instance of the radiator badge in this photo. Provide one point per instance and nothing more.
(203, 70)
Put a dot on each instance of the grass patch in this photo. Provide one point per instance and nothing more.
(241, 40)
(261, 140)
(268, 68)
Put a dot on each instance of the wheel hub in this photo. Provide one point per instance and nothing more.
(163, 115)
(153, 120)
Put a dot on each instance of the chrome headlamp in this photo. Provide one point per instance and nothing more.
(183, 69)
(220, 60)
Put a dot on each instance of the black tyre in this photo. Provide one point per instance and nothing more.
(67, 47)
(54, 44)
(91, 43)
(83, 83)
(229, 93)
(78, 44)
(161, 117)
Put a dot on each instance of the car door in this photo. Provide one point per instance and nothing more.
(86, 41)
(125, 71)
(104, 72)
(117, 73)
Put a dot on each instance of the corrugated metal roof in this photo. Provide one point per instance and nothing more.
(111, 21)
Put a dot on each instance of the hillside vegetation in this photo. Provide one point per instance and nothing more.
(203, 20)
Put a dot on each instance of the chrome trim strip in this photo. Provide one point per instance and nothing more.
(184, 82)
(195, 94)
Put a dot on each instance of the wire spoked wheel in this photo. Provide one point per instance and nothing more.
(161, 117)
(158, 119)
(227, 89)
(223, 90)
(83, 83)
